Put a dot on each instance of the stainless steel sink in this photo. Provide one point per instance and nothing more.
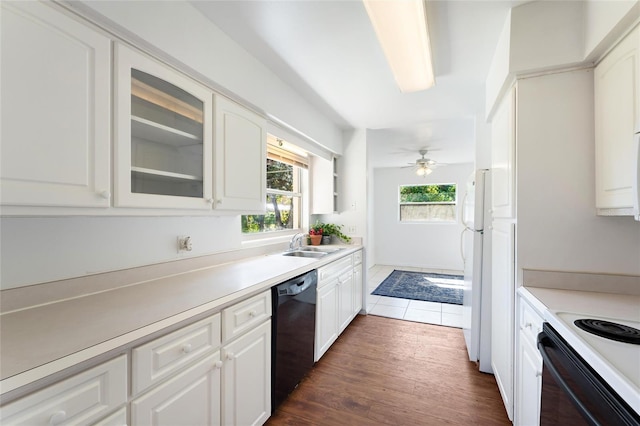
(302, 253)
(322, 249)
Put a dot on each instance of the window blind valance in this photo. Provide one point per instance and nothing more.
(279, 153)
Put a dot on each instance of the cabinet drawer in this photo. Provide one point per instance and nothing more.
(245, 315)
(160, 358)
(530, 323)
(119, 418)
(80, 399)
(357, 257)
(332, 270)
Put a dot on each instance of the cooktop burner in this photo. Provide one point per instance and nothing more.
(609, 330)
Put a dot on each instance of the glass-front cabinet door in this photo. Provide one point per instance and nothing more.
(164, 135)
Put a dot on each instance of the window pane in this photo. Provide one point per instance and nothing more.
(279, 175)
(428, 212)
(280, 213)
(427, 193)
(428, 203)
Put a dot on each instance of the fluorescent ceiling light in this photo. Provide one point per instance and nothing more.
(401, 27)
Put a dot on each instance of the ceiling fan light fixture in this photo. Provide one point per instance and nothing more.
(403, 33)
(423, 170)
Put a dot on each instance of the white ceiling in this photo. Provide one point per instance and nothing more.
(327, 51)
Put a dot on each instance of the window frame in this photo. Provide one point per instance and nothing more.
(299, 194)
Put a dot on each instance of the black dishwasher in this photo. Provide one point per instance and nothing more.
(293, 334)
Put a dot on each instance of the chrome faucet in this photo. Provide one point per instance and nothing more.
(297, 238)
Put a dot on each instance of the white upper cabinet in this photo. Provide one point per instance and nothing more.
(55, 86)
(240, 158)
(617, 118)
(163, 141)
(324, 181)
(503, 158)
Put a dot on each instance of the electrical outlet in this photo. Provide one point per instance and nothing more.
(184, 244)
(351, 229)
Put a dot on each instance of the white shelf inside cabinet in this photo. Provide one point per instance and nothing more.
(164, 176)
(156, 132)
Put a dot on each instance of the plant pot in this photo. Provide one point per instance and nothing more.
(315, 239)
(326, 239)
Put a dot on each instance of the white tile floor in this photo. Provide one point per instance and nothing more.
(410, 310)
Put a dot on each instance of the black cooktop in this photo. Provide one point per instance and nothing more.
(609, 330)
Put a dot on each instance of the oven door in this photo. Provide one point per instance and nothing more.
(572, 392)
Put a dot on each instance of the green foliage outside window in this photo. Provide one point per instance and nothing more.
(280, 207)
(427, 193)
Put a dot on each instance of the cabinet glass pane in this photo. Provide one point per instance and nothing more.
(166, 138)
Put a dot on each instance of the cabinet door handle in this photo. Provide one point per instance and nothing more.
(209, 200)
(218, 364)
(105, 194)
(58, 417)
(230, 356)
(218, 201)
(538, 373)
(187, 348)
(252, 314)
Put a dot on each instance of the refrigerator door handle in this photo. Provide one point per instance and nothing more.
(462, 254)
(636, 181)
(464, 211)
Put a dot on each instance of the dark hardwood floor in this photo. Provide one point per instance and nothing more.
(388, 371)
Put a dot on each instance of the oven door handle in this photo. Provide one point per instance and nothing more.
(543, 342)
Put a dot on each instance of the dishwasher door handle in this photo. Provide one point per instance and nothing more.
(297, 288)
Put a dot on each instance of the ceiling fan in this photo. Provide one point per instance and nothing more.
(423, 166)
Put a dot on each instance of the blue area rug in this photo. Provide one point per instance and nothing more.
(440, 288)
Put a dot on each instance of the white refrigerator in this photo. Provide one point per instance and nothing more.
(476, 254)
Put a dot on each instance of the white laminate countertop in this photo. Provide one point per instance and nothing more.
(42, 340)
(552, 304)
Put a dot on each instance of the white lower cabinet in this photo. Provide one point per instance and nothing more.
(79, 400)
(346, 302)
(358, 288)
(192, 397)
(247, 378)
(197, 377)
(326, 319)
(528, 367)
(339, 299)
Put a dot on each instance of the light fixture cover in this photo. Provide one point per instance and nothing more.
(403, 33)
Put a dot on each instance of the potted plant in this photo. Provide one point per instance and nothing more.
(315, 233)
(329, 229)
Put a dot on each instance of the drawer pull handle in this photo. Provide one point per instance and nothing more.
(252, 314)
(218, 364)
(58, 417)
(230, 356)
(187, 348)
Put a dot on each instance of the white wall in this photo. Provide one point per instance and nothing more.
(36, 250)
(601, 18)
(546, 35)
(426, 245)
(557, 224)
(352, 187)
